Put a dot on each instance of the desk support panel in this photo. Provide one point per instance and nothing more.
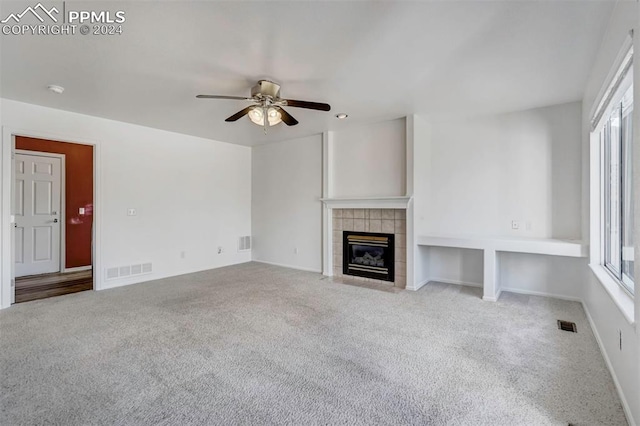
(490, 276)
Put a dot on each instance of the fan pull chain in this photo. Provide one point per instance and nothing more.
(265, 119)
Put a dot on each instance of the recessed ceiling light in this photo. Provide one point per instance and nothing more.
(55, 88)
(341, 116)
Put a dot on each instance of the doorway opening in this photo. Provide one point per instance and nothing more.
(53, 209)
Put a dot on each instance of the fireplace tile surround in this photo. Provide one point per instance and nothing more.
(387, 221)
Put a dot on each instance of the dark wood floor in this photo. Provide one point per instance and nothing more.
(35, 287)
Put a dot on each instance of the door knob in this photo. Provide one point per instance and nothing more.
(55, 220)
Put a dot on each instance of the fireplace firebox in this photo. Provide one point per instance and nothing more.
(367, 254)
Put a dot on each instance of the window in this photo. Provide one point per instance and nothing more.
(615, 134)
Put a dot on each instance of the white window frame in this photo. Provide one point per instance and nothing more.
(614, 103)
(613, 90)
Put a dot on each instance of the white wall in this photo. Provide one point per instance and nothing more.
(454, 265)
(286, 208)
(554, 276)
(607, 319)
(364, 161)
(369, 160)
(191, 194)
(420, 207)
(523, 166)
(474, 176)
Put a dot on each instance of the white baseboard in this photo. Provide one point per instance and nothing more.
(299, 268)
(499, 292)
(417, 286)
(541, 293)
(625, 404)
(108, 285)
(154, 276)
(78, 269)
(493, 298)
(455, 282)
(442, 280)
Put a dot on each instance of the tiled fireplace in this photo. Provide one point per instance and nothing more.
(370, 225)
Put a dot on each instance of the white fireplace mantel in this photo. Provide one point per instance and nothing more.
(393, 202)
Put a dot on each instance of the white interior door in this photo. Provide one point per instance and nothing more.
(37, 207)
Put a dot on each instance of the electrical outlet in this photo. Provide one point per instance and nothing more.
(220, 250)
(131, 212)
(515, 224)
(183, 254)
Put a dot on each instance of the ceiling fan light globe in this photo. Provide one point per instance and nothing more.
(274, 116)
(256, 116)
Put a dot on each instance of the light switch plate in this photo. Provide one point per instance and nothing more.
(81, 210)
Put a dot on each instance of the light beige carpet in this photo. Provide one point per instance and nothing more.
(258, 344)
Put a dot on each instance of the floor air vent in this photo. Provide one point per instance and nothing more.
(567, 326)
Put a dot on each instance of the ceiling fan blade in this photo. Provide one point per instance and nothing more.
(287, 118)
(307, 105)
(238, 115)
(237, 98)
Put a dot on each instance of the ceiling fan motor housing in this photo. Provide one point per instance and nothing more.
(266, 88)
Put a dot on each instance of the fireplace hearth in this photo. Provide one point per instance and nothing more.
(369, 255)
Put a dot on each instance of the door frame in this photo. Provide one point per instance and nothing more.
(7, 243)
(62, 211)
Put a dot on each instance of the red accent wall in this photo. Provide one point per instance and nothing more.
(78, 193)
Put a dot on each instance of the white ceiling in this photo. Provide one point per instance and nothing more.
(372, 60)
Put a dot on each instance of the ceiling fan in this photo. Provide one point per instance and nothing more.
(268, 104)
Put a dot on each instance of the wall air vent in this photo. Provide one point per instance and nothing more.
(244, 243)
(567, 326)
(112, 273)
(127, 271)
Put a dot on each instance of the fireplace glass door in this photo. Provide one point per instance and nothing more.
(369, 255)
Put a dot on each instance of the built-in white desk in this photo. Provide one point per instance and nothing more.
(491, 245)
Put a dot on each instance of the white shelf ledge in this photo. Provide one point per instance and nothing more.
(548, 246)
(491, 246)
(393, 202)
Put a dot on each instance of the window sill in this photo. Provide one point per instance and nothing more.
(622, 299)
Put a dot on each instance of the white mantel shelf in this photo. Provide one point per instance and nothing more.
(394, 202)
